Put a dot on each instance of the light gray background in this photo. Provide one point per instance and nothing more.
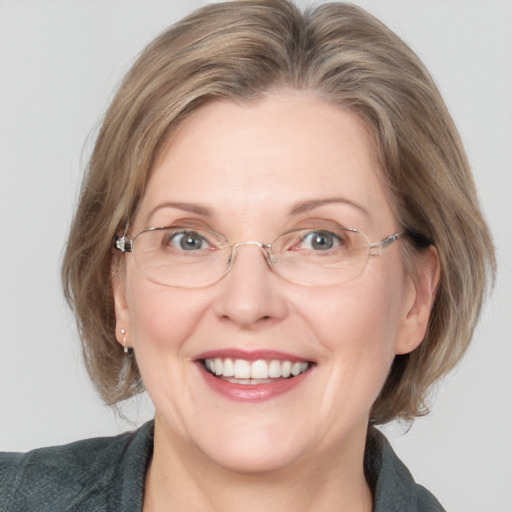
(59, 63)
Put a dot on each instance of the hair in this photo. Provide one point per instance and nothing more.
(240, 51)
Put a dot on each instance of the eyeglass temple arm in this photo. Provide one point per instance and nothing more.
(375, 248)
(121, 243)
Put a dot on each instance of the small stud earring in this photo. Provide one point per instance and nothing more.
(125, 348)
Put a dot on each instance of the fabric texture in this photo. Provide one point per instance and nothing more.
(107, 475)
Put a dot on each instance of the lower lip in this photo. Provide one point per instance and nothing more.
(252, 392)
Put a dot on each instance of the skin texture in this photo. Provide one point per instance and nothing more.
(249, 165)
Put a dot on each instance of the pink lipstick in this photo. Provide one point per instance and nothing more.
(252, 375)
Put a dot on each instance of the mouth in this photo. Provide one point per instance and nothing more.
(254, 372)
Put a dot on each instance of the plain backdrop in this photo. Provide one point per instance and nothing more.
(61, 60)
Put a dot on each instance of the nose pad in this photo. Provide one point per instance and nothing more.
(265, 249)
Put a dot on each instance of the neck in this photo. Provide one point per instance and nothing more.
(182, 478)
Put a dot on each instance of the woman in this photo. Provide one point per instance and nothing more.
(273, 240)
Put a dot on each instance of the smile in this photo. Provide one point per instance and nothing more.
(252, 376)
(261, 371)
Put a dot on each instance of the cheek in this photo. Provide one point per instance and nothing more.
(355, 333)
(357, 327)
(358, 317)
(161, 317)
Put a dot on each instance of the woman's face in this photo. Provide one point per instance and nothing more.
(253, 172)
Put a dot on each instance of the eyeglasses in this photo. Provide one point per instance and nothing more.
(186, 257)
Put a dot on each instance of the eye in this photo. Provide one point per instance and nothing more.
(320, 241)
(186, 241)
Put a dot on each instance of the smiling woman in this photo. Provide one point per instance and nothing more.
(332, 361)
(273, 240)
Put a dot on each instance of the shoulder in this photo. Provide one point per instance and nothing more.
(393, 485)
(79, 476)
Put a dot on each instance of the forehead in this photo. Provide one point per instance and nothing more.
(286, 148)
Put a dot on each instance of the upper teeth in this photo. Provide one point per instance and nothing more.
(259, 369)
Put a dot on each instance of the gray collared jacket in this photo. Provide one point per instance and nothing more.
(107, 475)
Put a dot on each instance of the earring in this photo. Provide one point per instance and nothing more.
(125, 348)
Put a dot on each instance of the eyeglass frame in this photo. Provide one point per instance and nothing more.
(125, 245)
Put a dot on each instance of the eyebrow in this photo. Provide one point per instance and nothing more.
(306, 206)
(187, 207)
(301, 207)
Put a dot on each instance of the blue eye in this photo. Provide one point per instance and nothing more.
(320, 241)
(187, 241)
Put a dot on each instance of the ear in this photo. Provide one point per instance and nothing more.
(118, 282)
(420, 295)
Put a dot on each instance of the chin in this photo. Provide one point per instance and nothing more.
(254, 449)
(254, 458)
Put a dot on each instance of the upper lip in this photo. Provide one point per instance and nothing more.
(251, 355)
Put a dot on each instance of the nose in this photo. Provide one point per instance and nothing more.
(251, 293)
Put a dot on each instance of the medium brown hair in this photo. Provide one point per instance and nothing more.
(241, 50)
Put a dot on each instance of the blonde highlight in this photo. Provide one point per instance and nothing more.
(240, 51)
